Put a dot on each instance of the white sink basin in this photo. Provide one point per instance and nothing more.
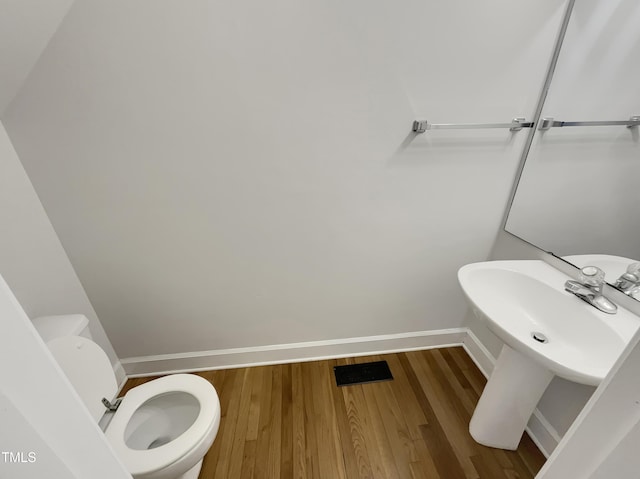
(520, 299)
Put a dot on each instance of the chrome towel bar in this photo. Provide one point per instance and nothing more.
(548, 123)
(517, 124)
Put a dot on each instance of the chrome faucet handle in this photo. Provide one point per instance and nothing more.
(592, 276)
(634, 268)
(577, 288)
(629, 282)
(589, 289)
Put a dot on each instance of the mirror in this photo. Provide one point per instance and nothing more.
(578, 195)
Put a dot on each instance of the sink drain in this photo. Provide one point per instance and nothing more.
(541, 338)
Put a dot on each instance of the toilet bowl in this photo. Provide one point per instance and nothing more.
(162, 429)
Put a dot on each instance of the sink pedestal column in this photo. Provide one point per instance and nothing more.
(508, 400)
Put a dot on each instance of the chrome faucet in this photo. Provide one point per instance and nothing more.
(629, 282)
(589, 289)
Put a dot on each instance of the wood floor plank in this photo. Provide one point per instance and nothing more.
(312, 420)
(230, 424)
(400, 442)
(469, 369)
(440, 449)
(410, 407)
(361, 424)
(438, 446)
(458, 380)
(298, 423)
(286, 421)
(347, 437)
(488, 467)
(232, 469)
(264, 426)
(292, 421)
(447, 410)
(448, 356)
(453, 386)
(379, 440)
(425, 464)
(224, 381)
(420, 471)
(332, 463)
(356, 442)
(519, 465)
(444, 387)
(247, 468)
(253, 416)
(274, 433)
(530, 454)
(382, 441)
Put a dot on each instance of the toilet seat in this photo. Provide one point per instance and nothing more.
(140, 462)
(162, 429)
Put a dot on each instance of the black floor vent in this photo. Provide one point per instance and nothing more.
(362, 373)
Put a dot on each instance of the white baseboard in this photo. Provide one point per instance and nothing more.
(292, 352)
(478, 353)
(541, 432)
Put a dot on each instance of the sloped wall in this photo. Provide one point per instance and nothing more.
(32, 260)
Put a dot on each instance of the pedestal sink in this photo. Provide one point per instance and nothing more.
(546, 330)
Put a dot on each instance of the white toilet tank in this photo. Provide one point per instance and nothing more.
(51, 327)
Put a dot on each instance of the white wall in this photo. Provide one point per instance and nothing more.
(26, 26)
(576, 176)
(243, 173)
(32, 259)
(40, 411)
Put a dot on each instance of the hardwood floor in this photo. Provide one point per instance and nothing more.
(292, 421)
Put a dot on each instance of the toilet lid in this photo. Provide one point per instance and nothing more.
(88, 369)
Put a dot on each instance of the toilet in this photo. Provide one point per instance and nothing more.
(161, 429)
